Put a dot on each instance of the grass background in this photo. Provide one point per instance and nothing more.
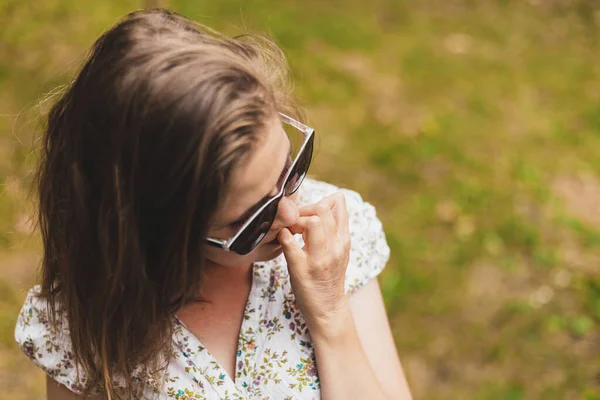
(472, 126)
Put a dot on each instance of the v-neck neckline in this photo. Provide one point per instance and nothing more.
(245, 342)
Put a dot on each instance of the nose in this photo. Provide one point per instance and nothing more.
(287, 214)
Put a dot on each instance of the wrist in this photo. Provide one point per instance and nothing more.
(333, 325)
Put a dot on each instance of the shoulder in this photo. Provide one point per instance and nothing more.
(369, 249)
(47, 343)
(313, 190)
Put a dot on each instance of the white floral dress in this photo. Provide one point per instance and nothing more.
(275, 357)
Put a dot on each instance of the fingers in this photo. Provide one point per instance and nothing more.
(340, 212)
(313, 234)
(292, 252)
(311, 209)
(296, 229)
(324, 225)
(337, 206)
(327, 219)
(322, 209)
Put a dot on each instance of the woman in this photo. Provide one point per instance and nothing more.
(185, 255)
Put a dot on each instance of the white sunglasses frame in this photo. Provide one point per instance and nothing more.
(308, 132)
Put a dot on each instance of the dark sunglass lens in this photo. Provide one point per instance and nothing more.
(300, 169)
(256, 231)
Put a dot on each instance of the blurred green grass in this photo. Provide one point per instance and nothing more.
(473, 126)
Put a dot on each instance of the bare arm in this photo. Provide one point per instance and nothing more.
(56, 391)
(356, 355)
(353, 363)
(375, 335)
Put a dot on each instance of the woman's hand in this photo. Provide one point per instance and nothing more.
(317, 270)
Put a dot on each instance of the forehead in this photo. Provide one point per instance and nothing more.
(257, 174)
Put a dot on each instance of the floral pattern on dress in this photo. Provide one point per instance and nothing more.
(275, 356)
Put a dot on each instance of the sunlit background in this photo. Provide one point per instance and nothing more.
(472, 126)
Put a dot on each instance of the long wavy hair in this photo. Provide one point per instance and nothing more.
(137, 153)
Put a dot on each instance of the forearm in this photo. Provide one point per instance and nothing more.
(344, 370)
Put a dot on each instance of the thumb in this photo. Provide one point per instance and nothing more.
(291, 250)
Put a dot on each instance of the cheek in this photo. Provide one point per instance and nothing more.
(294, 197)
(227, 258)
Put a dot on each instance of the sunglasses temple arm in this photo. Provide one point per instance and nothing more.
(296, 124)
(222, 244)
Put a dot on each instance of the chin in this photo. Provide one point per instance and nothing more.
(269, 252)
(264, 252)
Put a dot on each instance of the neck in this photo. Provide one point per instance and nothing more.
(220, 279)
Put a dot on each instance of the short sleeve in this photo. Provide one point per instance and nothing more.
(49, 347)
(369, 251)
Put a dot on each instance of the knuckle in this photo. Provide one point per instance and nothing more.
(340, 200)
(319, 266)
(335, 254)
(315, 262)
(322, 208)
(339, 196)
(314, 221)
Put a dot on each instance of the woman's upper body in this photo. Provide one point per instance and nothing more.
(257, 346)
(183, 257)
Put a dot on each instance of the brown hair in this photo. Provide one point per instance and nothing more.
(136, 155)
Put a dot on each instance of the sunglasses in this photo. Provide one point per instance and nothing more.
(256, 227)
